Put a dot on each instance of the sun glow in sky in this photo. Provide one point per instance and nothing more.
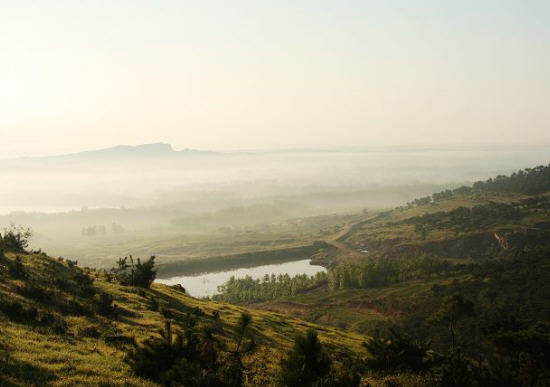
(84, 74)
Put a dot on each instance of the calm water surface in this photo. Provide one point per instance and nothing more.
(206, 284)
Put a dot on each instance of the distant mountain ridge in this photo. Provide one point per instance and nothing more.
(159, 149)
(143, 150)
(154, 149)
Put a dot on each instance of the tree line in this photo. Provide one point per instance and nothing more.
(374, 272)
(248, 289)
(529, 181)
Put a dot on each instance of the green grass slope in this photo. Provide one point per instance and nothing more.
(56, 329)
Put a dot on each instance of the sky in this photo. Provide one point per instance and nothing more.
(223, 75)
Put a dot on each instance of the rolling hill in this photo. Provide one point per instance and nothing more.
(56, 328)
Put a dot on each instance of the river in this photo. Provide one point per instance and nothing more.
(206, 284)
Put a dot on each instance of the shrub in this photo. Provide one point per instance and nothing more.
(30, 315)
(15, 238)
(398, 352)
(191, 358)
(73, 307)
(103, 304)
(175, 360)
(135, 274)
(522, 357)
(166, 313)
(154, 304)
(36, 292)
(84, 284)
(17, 269)
(54, 323)
(306, 364)
(89, 331)
(17, 312)
(178, 287)
(61, 283)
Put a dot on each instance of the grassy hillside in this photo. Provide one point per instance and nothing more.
(458, 227)
(468, 222)
(56, 328)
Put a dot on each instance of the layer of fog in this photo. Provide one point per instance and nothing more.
(103, 198)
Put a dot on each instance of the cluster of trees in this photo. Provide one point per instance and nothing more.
(420, 201)
(196, 356)
(373, 272)
(248, 289)
(15, 238)
(309, 364)
(504, 356)
(511, 356)
(517, 358)
(131, 273)
(102, 230)
(490, 326)
(530, 181)
(94, 230)
(193, 357)
(483, 215)
(382, 271)
(447, 194)
(464, 218)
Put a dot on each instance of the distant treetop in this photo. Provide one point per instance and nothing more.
(529, 181)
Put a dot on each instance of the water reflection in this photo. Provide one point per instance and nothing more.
(206, 284)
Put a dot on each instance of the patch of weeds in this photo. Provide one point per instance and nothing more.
(103, 304)
(88, 331)
(36, 292)
(17, 312)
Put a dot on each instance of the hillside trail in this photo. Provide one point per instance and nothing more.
(336, 239)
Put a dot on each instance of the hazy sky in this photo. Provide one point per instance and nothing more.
(83, 74)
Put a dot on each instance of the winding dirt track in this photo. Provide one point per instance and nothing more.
(336, 239)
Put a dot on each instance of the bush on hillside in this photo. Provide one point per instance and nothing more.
(191, 357)
(36, 292)
(140, 274)
(530, 181)
(17, 269)
(15, 238)
(103, 304)
(15, 311)
(52, 322)
(308, 364)
(398, 352)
